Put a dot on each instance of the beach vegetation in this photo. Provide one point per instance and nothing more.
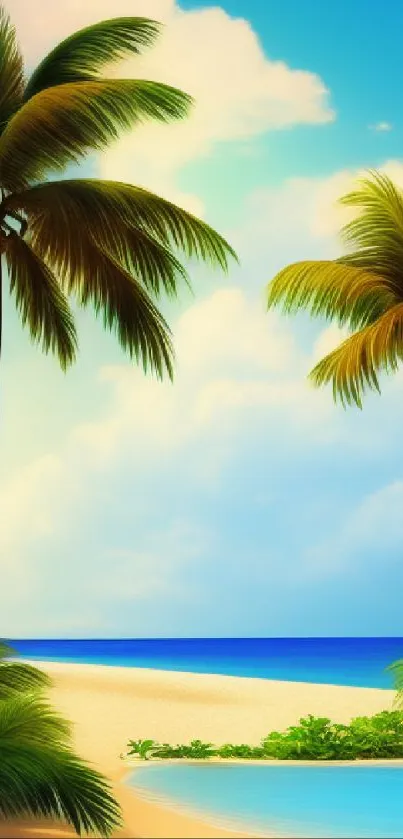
(396, 669)
(361, 292)
(40, 774)
(112, 246)
(315, 738)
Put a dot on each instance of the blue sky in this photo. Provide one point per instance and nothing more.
(238, 501)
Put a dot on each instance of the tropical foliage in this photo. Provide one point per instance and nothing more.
(315, 738)
(110, 245)
(40, 775)
(396, 669)
(362, 291)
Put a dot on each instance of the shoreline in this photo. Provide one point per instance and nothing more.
(110, 705)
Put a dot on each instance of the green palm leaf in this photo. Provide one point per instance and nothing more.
(18, 677)
(40, 300)
(11, 71)
(81, 56)
(61, 124)
(6, 651)
(380, 221)
(363, 290)
(41, 776)
(356, 364)
(137, 228)
(350, 295)
(97, 279)
(36, 781)
(397, 672)
(29, 720)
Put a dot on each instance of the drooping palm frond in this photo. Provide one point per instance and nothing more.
(60, 125)
(81, 56)
(356, 363)
(6, 650)
(27, 719)
(379, 223)
(11, 71)
(61, 210)
(96, 278)
(18, 677)
(128, 310)
(40, 300)
(362, 289)
(36, 781)
(397, 672)
(351, 296)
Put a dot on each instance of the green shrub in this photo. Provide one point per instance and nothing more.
(315, 738)
(379, 736)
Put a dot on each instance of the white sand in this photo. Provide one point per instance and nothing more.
(111, 705)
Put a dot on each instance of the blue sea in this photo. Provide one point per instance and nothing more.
(358, 662)
(335, 802)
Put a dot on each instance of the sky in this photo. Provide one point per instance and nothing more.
(237, 501)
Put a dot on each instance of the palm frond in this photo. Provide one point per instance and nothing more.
(356, 363)
(97, 279)
(135, 219)
(126, 309)
(81, 56)
(27, 719)
(20, 678)
(6, 650)
(40, 300)
(397, 672)
(37, 781)
(350, 295)
(11, 71)
(61, 124)
(377, 231)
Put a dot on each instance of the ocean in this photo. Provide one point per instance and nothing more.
(359, 662)
(294, 801)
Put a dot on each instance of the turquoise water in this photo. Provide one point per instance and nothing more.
(335, 802)
(338, 661)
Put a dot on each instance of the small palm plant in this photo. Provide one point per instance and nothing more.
(396, 669)
(363, 291)
(40, 775)
(111, 245)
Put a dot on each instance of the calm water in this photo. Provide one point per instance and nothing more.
(339, 661)
(304, 801)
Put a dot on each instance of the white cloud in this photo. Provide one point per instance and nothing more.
(381, 126)
(328, 340)
(240, 377)
(374, 527)
(55, 21)
(240, 389)
(302, 217)
(239, 92)
(235, 365)
(138, 575)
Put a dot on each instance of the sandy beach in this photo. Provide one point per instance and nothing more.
(111, 705)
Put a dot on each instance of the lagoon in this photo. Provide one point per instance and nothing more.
(352, 800)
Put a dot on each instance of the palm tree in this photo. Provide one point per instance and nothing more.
(40, 775)
(363, 291)
(110, 244)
